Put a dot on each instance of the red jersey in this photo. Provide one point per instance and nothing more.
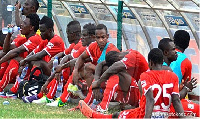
(40, 47)
(73, 48)
(68, 50)
(94, 51)
(32, 43)
(1, 48)
(135, 63)
(163, 83)
(18, 41)
(79, 52)
(53, 47)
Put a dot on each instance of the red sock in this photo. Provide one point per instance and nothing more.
(89, 96)
(66, 73)
(65, 93)
(3, 69)
(16, 85)
(111, 88)
(52, 87)
(10, 74)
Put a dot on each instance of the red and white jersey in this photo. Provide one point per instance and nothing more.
(53, 47)
(18, 41)
(163, 83)
(69, 49)
(135, 63)
(94, 51)
(73, 48)
(79, 52)
(32, 43)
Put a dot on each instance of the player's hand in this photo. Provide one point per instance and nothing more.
(10, 26)
(44, 88)
(58, 69)
(18, 5)
(20, 70)
(57, 76)
(97, 94)
(191, 84)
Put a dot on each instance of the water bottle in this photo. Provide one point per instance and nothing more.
(7, 30)
(6, 102)
(94, 104)
(59, 87)
(55, 63)
(23, 74)
(12, 8)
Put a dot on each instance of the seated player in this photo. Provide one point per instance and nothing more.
(18, 49)
(94, 53)
(159, 89)
(168, 48)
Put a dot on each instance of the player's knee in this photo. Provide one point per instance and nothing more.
(89, 67)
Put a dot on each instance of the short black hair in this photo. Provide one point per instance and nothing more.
(34, 21)
(182, 39)
(90, 28)
(36, 4)
(47, 21)
(101, 26)
(156, 56)
(112, 57)
(2, 37)
(164, 44)
(75, 24)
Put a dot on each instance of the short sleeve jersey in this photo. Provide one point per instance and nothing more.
(94, 51)
(40, 47)
(163, 83)
(79, 52)
(69, 49)
(32, 43)
(73, 48)
(55, 46)
(18, 41)
(76, 49)
(135, 63)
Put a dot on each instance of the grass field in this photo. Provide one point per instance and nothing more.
(19, 109)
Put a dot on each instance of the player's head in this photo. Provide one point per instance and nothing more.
(2, 37)
(155, 57)
(101, 35)
(112, 57)
(30, 6)
(73, 31)
(168, 48)
(30, 24)
(88, 34)
(46, 27)
(181, 39)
